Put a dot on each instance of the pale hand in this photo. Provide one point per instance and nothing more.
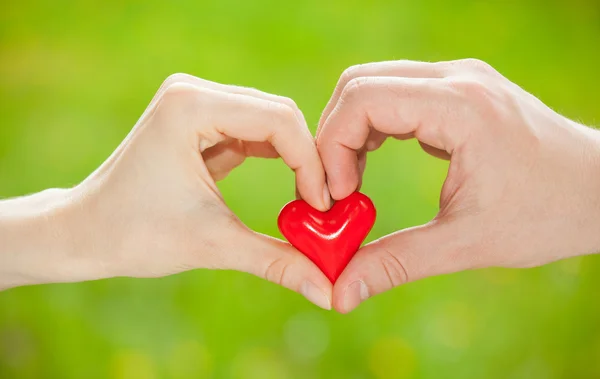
(153, 209)
(523, 187)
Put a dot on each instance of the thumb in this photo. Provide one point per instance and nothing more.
(280, 263)
(401, 257)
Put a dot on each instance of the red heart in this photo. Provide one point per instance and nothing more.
(330, 239)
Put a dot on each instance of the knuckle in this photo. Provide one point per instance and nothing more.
(470, 88)
(275, 271)
(393, 268)
(354, 88)
(283, 113)
(180, 90)
(489, 101)
(177, 77)
(349, 74)
(182, 104)
(289, 102)
(477, 65)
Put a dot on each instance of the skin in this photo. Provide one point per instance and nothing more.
(522, 189)
(153, 209)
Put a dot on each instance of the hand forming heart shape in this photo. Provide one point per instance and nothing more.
(502, 204)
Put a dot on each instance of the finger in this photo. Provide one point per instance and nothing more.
(433, 249)
(374, 141)
(222, 158)
(403, 68)
(232, 157)
(438, 153)
(215, 115)
(428, 109)
(280, 263)
(362, 164)
(199, 82)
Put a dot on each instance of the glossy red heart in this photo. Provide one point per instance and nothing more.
(330, 239)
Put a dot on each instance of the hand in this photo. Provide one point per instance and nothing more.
(153, 209)
(523, 186)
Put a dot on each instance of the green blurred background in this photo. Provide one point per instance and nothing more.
(74, 77)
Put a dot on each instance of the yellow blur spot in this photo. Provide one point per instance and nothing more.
(259, 363)
(132, 365)
(391, 358)
(455, 326)
(570, 266)
(189, 359)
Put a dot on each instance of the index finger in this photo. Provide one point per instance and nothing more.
(214, 114)
(424, 108)
(401, 68)
(199, 82)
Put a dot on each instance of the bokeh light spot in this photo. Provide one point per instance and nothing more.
(306, 335)
(571, 266)
(189, 359)
(392, 358)
(259, 363)
(454, 326)
(132, 365)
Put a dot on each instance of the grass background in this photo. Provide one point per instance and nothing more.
(74, 78)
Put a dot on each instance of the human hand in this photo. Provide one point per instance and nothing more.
(522, 189)
(153, 209)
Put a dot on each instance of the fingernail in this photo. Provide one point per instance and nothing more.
(315, 295)
(326, 196)
(356, 293)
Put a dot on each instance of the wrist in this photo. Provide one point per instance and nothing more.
(592, 172)
(38, 244)
(596, 174)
